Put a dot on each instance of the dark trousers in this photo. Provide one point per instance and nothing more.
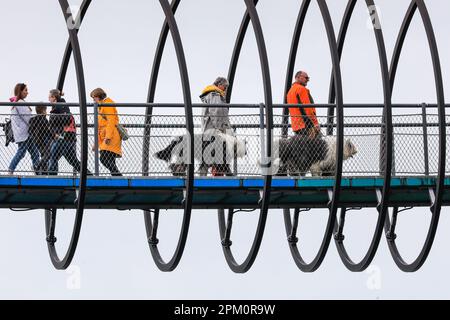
(218, 169)
(63, 148)
(108, 159)
(45, 151)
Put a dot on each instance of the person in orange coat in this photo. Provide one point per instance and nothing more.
(303, 120)
(110, 143)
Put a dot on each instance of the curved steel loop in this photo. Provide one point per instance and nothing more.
(265, 198)
(334, 201)
(152, 89)
(68, 51)
(436, 196)
(237, 52)
(340, 44)
(50, 215)
(386, 146)
(291, 62)
(152, 226)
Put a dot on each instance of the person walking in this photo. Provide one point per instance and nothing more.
(40, 134)
(110, 142)
(215, 119)
(303, 119)
(20, 122)
(63, 129)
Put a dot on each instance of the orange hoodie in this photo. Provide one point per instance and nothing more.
(301, 117)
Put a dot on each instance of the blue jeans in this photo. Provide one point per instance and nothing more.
(66, 148)
(20, 154)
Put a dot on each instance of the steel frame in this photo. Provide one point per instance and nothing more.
(151, 225)
(336, 105)
(291, 228)
(436, 195)
(50, 214)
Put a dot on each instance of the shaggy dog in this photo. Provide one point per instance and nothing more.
(299, 154)
(208, 147)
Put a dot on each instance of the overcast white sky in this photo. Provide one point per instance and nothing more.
(118, 40)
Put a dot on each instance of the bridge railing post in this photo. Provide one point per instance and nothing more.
(235, 155)
(425, 139)
(96, 142)
(262, 124)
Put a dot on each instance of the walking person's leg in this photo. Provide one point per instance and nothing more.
(225, 166)
(55, 155)
(20, 153)
(34, 153)
(222, 168)
(45, 157)
(206, 157)
(108, 159)
(203, 170)
(38, 168)
(70, 153)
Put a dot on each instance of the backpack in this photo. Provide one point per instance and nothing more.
(7, 129)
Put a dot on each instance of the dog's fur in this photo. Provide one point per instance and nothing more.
(299, 154)
(176, 157)
(327, 166)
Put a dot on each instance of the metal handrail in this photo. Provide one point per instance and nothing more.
(232, 106)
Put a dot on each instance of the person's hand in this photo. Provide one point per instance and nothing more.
(107, 141)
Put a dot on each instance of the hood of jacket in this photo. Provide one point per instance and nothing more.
(212, 88)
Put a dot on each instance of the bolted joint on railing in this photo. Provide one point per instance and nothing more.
(51, 239)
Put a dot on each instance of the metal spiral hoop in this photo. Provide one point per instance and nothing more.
(50, 214)
(386, 147)
(151, 225)
(436, 196)
(251, 15)
(375, 179)
(291, 228)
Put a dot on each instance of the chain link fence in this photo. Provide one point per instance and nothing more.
(416, 144)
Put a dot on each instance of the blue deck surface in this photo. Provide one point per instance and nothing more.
(226, 183)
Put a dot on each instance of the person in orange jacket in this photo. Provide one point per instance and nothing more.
(303, 120)
(110, 143)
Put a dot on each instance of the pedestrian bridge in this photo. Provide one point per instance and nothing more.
(402, 160)
(147, 183)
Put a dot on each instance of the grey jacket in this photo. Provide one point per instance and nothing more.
(215, 118)
(20, 119)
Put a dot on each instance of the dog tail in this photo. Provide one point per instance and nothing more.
(166, 153)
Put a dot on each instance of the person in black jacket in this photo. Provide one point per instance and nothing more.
(39, 131)
(63, 129)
